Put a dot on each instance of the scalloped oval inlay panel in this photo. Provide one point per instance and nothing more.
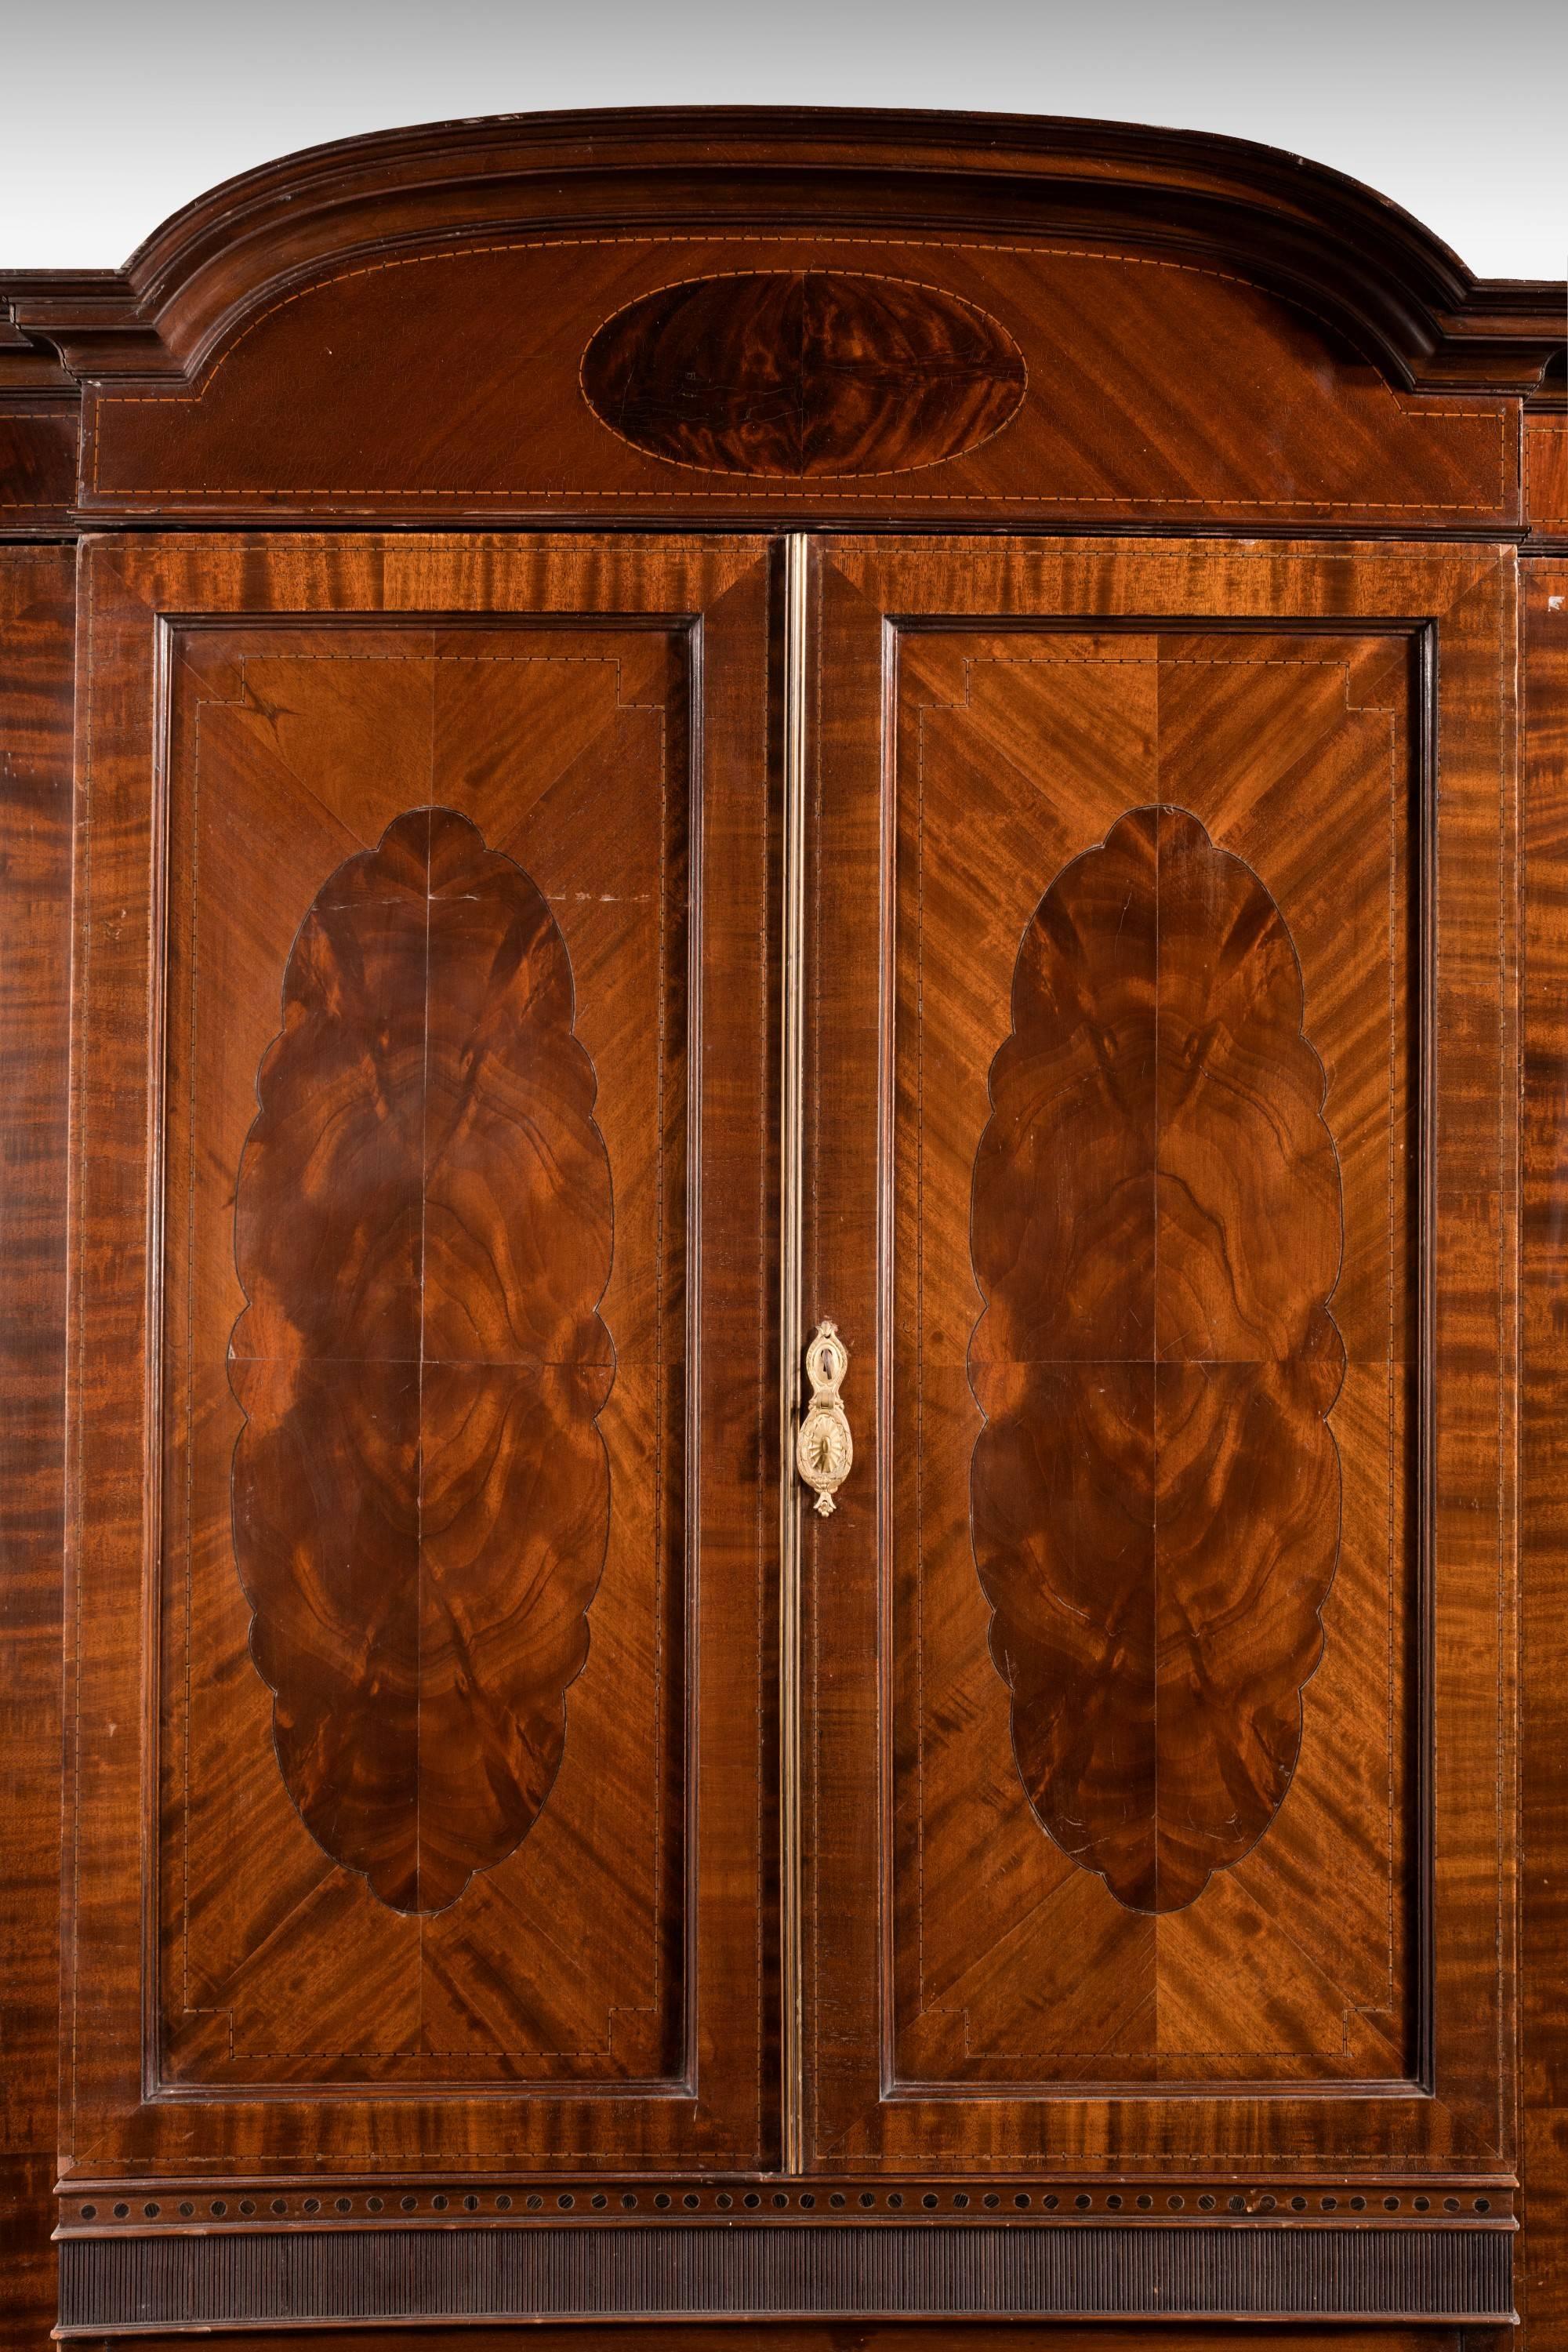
(803, 372)
(1157, 1230)
(422, 1230)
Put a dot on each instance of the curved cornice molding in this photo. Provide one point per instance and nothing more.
(1395, 294)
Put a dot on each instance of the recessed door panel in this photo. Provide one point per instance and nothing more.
(425, 1311)
(1153, 1353)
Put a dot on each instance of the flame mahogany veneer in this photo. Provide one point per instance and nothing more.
(444, 1939)
(423, 1227)
(1155, 1225)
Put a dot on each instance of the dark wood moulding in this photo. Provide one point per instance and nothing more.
(135, 2285)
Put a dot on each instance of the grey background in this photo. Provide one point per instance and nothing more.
(113, 113)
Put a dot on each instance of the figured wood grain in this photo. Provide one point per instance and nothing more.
(1545, 454)
(596, 2000)
(277, 421)
(1165, 293)
(565, 744)
(1156, 1230)
(424, 1229)
(1019, 747)
(1545, 1456)
(795, 374)
(899, 2336)
(37, 462)
(1384, 286)
(997, 2003)
(36, 629)
(262, 371)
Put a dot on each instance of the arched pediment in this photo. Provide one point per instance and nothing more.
(1384, 283)
(1178, 328)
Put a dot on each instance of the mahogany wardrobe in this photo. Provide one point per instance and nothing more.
(783, 932)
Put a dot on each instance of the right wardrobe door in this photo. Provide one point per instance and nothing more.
(1159, 1172)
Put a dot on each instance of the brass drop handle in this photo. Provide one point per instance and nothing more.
(824, 1451)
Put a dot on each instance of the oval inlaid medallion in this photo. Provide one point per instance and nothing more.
(1157, 1230)
(803, 372)
(422, 1230)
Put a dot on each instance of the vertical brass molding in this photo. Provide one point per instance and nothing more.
(791, 1141)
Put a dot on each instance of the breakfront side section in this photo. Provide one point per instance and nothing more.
(790, 1582)
(37, 633)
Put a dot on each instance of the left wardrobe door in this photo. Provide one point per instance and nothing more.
(421, 1545)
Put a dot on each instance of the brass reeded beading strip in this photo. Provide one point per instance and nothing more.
(791, 1337)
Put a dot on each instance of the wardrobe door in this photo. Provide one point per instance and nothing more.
(421, 1544)
(1160, 1164)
